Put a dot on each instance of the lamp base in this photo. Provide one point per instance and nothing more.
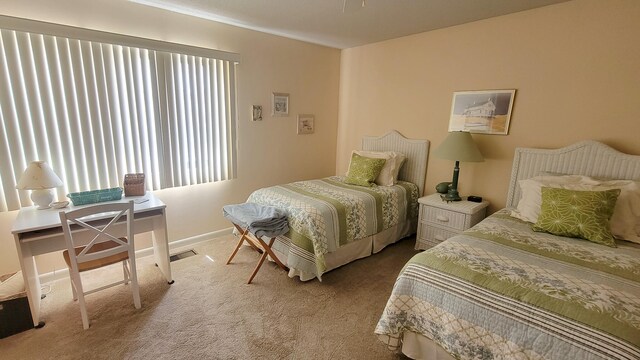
(451, 195)
(42, 198)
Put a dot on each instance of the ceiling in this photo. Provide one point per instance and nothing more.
(345, 23)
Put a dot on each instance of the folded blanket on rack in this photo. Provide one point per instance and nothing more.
(261, 220)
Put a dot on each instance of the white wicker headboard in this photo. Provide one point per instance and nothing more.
(590, 158)
(415, 167)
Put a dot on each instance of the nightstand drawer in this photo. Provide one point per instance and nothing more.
(441, 220)
(450, 219)
(432, 235)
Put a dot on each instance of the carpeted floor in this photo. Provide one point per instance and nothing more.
(211, 313)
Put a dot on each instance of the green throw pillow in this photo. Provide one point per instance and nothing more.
(573, 213)
(363, 170)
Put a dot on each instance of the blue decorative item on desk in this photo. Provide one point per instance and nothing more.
(95, 196)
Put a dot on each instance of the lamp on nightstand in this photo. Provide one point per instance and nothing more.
(39, 177)
(458, 146)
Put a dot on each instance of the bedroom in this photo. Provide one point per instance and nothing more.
(574, 65)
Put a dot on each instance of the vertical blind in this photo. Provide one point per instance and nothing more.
(96, 111)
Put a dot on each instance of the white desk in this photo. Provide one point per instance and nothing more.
(39, 232)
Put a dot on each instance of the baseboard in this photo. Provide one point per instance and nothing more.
(64, 273)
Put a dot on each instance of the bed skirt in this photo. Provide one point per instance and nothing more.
(353, 251)
(418, 346)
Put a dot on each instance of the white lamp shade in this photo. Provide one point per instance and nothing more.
(459, 146)
(38, 176)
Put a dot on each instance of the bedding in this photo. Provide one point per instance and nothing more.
(625, 222)
(501, 290)
(583, 214)
(389, 174)
(327, 214)
(363, 170)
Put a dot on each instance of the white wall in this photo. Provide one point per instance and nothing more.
(270, 152)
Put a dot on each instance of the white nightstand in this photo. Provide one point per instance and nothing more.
(440, 220)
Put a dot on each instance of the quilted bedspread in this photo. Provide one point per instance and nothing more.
(502, 291)
(327, 213)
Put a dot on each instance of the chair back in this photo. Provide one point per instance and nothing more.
(101, 223)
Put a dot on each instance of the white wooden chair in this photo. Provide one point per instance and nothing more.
(103, 223)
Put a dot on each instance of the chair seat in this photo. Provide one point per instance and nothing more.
(94, 264)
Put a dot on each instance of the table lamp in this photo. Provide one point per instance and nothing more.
(39, 177)
(458, 146)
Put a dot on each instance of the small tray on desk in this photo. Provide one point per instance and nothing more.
(95, 196)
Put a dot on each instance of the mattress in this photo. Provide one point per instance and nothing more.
(327, 214)
(500, 290)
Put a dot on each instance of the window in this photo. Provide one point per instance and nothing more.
(96, 110)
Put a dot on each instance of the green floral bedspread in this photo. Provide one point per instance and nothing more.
(502, 291)
(325, 214)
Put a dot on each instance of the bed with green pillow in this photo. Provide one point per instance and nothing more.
(337, 219)
(328, 214)
(562, 285)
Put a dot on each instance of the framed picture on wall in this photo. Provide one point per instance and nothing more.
(484, 111)
(280, 104)
(256, 112)
(305, 124)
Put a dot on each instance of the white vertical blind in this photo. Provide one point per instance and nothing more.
(96, 111)
(199, 88)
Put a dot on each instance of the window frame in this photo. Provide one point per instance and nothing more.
(165, 49)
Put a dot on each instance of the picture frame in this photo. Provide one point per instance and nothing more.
(256, 112)
(306, 124)
(482, 111)
(280, 104)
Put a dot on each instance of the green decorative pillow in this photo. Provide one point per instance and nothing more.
(574, 213)
(363, 170)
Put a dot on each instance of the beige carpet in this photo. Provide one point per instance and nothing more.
(211, 313)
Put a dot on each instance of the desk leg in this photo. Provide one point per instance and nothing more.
(161, 246)
(31, 280)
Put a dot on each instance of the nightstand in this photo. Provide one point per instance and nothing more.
(440, 220)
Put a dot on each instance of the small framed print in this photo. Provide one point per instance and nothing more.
(305, 124)
(256, 112)
(280, 104)
(483, 112)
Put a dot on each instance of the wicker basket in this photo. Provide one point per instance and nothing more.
(95, 196)
(133, 185)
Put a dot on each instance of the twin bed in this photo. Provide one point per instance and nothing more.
(501, 290)
(333, 223)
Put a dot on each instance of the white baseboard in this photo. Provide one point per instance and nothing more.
(64, 273)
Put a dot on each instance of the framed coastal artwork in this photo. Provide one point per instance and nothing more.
(280, 104)
(484, 111)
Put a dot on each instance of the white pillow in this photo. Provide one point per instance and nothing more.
(625, 221)
(389, 174)
(528, 207)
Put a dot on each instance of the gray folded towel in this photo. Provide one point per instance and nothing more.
(261, 220)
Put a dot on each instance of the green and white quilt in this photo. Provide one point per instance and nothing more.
(502, 291)
(326, 214)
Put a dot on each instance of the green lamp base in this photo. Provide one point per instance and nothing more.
(451, 195)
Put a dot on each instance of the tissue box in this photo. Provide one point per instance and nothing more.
(133, 184)
(15, 315)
